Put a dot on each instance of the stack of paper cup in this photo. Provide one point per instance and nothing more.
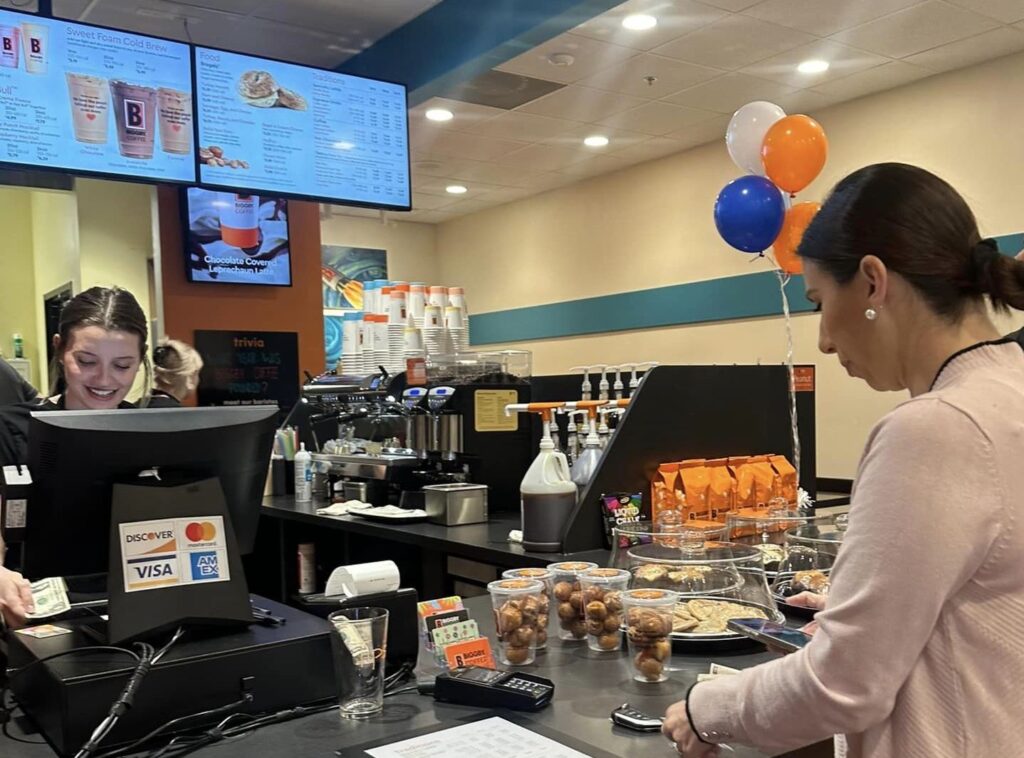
(381, 353)
(370, 296)
(396, 330)
(437, 296)
(455, 327)
(351, 357)
(457, 298)
(413, 342)
(416, 301)
(433, 331)
(365, 343)
(385, 301)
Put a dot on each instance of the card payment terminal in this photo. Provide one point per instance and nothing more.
(472, 685)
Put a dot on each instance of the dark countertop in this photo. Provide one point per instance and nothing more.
(588, 686)
(487, 543)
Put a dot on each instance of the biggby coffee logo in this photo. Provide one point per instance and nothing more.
(200, 531)
(135, 115)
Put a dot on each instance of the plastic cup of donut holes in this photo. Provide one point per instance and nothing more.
(547, 578)
(602, 590)
(648, 614)
(517, 607)
(567, 598)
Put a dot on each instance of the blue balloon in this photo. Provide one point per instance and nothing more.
(749, 213)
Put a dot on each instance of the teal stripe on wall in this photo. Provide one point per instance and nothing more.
(724, 299)
(728, 298)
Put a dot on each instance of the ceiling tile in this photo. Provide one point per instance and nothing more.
(424, 202)
(873, 80)
(805, 101)
(657, 118)
(843, 61)
(577, 103)
(495, 174)
(589, 56)
(668, 76)
(526, 127)
(429, 217)
(362, 20)
(437, 185)
(466, 115)
(916, 29)
(463, 145)
(599, 164)
(731, 5)
(675, 18)
(733, 42)
(463, 207)
(825, 17)
(728, 93)
(698, 134)
(1007, 11)
(617, 138)
(967, 52)
(545, 157)
(655, 147)
(508, 194)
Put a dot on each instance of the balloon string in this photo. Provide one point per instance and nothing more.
(794, 429)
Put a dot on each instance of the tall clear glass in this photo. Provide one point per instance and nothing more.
(360, 649)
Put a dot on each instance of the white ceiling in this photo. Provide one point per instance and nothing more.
(709, 58)
(314, 32)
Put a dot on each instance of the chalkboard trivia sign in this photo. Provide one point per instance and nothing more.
(248, 368)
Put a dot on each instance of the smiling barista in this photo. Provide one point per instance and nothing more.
(99, 348)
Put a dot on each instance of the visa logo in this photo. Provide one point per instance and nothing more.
(153, 570)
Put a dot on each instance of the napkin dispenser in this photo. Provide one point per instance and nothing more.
(455, 504)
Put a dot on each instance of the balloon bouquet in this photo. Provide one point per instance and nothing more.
(781, 154)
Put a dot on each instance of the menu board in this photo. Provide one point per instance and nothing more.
(248, 368)
(83, 98)
(277, 128)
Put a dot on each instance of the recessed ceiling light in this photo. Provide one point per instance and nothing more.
(455, 189)
(813, 67)
(440, 114)
(595, 140)
(639, 22)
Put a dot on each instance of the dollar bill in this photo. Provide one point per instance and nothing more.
(718, 668)
(50, 597)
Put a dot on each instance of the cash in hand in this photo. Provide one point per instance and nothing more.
(50, 597)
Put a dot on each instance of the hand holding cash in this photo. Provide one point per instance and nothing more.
(15, 597)
(50, 598)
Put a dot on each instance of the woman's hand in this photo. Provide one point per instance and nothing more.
(810, 600)
(676, 727)
(15, 597)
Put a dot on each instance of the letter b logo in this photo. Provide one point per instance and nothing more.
(36, 45)
(134, 114)
(8, 47)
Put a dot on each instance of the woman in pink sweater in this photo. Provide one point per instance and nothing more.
(919, 653)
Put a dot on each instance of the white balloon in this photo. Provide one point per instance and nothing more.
(746, 132)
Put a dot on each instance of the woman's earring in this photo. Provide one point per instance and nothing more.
(870, 314)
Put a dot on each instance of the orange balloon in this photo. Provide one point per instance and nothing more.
(793, 227)
(794, 152)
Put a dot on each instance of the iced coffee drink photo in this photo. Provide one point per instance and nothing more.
(175, 108)
(35, 38)
(134, 114)
(90, 106)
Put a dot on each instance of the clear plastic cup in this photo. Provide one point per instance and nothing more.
(517, 604)
(602, 606)
(648, 630)
(547, 578)
(568, 595)
(362, 635)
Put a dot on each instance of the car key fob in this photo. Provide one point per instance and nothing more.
(629, 717)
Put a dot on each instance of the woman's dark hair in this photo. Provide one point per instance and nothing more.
(920, 228)
(112, 309)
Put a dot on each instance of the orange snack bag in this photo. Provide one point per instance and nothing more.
(666, 489)
(695, 487)
(721, 488)
(743, 474)
(786, 481)
(764, 479)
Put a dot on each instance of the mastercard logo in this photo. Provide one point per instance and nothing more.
(200, 531)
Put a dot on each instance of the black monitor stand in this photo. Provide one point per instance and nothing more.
(174, 559)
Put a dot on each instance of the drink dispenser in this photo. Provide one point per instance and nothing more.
(419, 433)
(447, 421)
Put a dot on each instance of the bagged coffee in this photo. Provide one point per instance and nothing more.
(721, 488)
(666, 489)
(786, 479)
(695, 488)
(764, 480)
(743, 474)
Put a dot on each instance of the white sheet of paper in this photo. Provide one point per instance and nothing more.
(489, 738)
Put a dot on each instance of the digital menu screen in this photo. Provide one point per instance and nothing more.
(236, 238)
(273, 127)
(88, 99)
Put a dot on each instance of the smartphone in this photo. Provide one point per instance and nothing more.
(771, 633)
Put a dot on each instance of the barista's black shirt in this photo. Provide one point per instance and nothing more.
(161, 399)
(14, 421)
(13, 387)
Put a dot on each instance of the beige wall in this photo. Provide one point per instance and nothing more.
(412, 255)
(17, 311)
(651, 225)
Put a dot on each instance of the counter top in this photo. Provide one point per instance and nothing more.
(482, 542)
(588, 686)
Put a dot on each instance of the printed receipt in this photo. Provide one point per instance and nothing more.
(489, 738)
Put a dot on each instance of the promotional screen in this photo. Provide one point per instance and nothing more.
(82, 98)
(237, 238)
(281, 128)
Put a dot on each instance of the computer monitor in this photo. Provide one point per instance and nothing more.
(76, 457)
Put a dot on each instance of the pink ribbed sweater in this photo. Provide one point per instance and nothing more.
(920, 653)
